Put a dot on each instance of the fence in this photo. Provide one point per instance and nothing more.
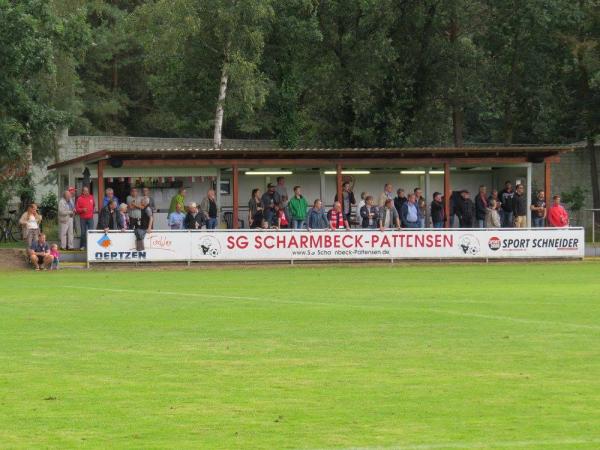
(300, 245)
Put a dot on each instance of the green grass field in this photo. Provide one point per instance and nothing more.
(407, 357)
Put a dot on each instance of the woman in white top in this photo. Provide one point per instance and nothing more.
(30, 221)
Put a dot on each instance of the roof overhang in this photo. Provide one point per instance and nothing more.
(310, 156)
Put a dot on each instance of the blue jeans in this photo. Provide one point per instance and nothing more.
(412, 224)
(481, 223)
(298, 224)
(538, 222)
(507, 219)
(438, 224)
(86, 224)
(211, 224)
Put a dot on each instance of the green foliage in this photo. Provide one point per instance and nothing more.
(49, 205)
(25, 190)
(328, 72)
(575, 198)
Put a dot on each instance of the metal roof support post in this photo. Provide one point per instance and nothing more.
(427, 194)
(529, 192)
(338, 173)
(236, 200)
(447, 194)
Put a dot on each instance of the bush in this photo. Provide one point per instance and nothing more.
(49, 205)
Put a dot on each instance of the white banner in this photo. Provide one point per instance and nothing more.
(289, 245)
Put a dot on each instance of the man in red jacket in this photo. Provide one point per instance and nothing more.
(84, 207)
(557, 214)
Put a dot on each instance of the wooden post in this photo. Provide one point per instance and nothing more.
(447, 193)
(338, 174)
(100, 193)
(236, 203)
(547, 181)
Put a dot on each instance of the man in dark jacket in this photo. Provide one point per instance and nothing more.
(369, 213)
(399, 200)
(195, 219)
(481, 203)
(465, 210)
(519, 207)
(506, 196)
(109, 218)
(438, 214)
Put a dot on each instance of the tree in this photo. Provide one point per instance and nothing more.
(581, 33)
(207, 53)
(31, 36)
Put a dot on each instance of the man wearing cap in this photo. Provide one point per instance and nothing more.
(66, 210)
(271, 197)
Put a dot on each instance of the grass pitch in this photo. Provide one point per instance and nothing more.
(408, 357)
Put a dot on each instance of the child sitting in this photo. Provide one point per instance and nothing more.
(55, 253)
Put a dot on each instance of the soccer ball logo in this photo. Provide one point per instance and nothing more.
(469, 245)
(210, 246)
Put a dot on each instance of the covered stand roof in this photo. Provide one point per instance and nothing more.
(309, 156)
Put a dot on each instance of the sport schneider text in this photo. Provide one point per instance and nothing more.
(334, 241)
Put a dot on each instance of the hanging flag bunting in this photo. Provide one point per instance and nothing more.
(110, 180)
(202, 179)
(192, 179)
(162, 179)
(121, 179)
(171, 179)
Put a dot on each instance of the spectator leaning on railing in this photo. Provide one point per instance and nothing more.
(316, 218)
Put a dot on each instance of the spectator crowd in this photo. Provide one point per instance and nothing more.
(275, 209)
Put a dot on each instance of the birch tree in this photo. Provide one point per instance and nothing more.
(200, 50)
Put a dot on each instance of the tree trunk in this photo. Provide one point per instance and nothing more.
(508, 129)
(217, 141)
(458, 120)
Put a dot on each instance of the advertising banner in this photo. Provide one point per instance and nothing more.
(301, 245)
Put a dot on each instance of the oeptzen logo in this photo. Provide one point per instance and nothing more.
(495, 243)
